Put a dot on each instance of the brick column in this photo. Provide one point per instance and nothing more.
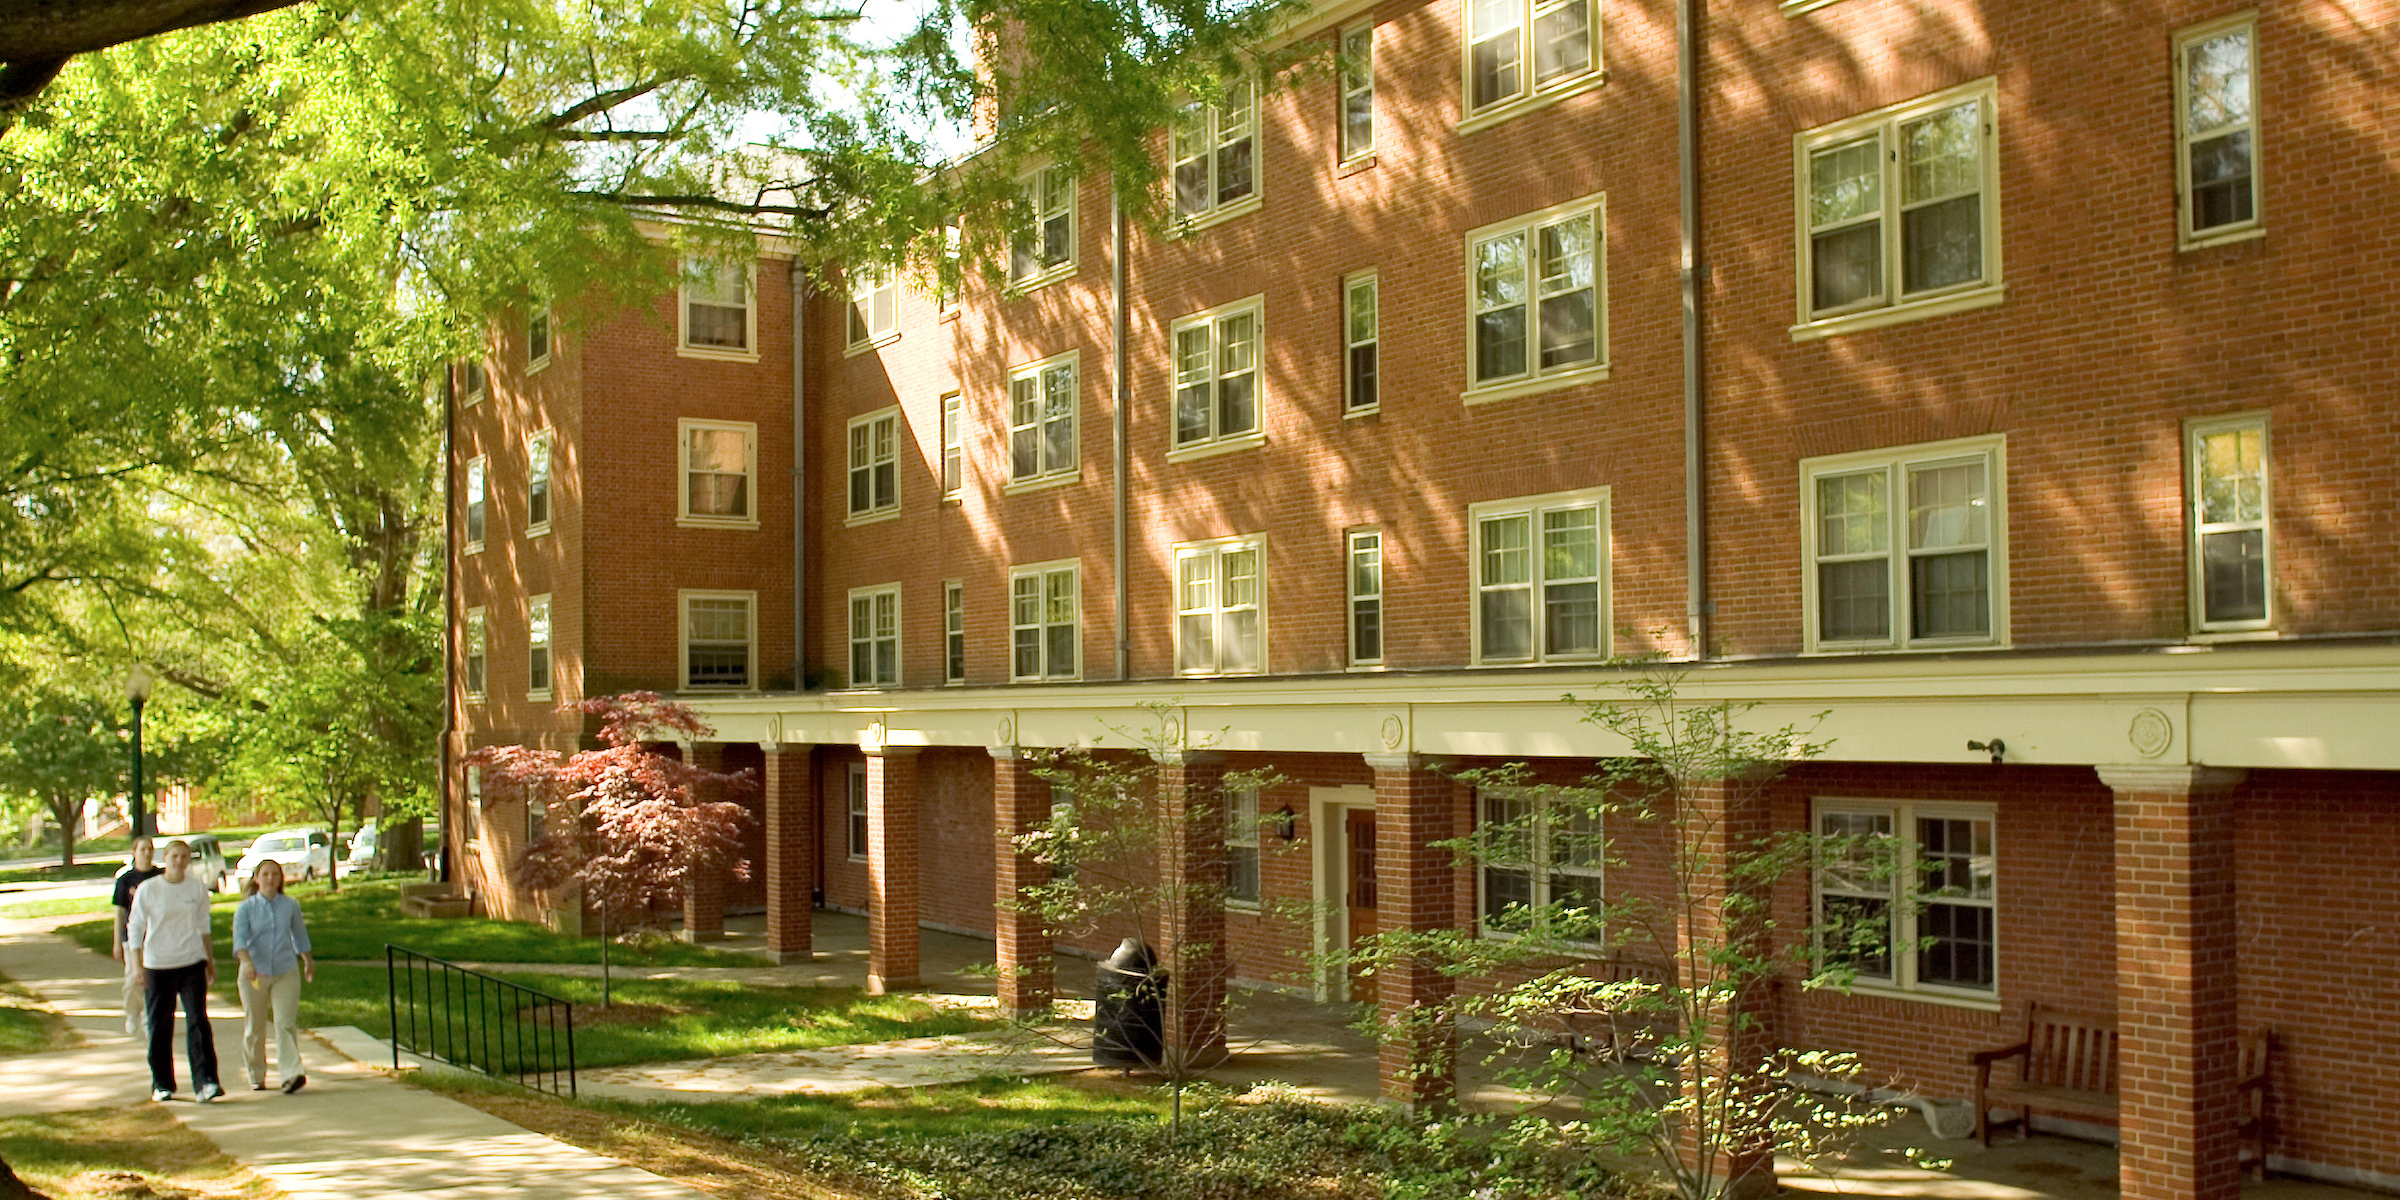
(892, 868)
(2177, 1055)
(1020, 801)
(1191, 943)
(1722, 822)
(1417, 892)
(791, 864)
(704, 882)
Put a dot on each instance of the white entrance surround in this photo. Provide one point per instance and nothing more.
(1327, 810)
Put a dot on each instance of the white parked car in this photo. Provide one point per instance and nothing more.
(304, 853)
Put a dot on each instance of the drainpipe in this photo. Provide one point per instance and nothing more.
(1698, 608)
(444, 755)
(799, 485)
(1124, 397)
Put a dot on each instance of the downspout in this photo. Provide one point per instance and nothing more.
(444, 755)
(1124, 397)
(1698, 608)
(799, 484)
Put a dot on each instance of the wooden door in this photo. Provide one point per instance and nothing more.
(1358, 886)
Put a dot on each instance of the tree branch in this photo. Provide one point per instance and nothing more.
(602, 103)
(609, 135)
(714, 203)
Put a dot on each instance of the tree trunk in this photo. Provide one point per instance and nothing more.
(13, 1188)
(68, 817)
(403, 845)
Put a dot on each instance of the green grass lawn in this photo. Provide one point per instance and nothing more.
(945, 1111)
(85, 868)
(26, 1027)
(51, 908)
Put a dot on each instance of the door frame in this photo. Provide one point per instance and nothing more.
(1329, 809)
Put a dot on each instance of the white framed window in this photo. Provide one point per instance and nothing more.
(478, 508)
(1907, 895)
(474, 384)
(954, 631)
(1899, 213)
(1045, 635)
(537, 484)
(1541, 862)
(875, 464)
(1520, 53)
(1241, 849)
(1215, 146)
(718, 319)
(1041, 420)
(2216, 131)
(1541, 578)
(954, 446)
(1906, 549)
(874, 307)
(537, 648)
(1359, 336)
(537, 818)
(720, 645)
(1221, 607)
(875, 636)
(949, 274)
(855, 791)
(476, 657)
(1357, 134)
(1217, 392)
(537, 338)
(2232, 550)
(720, 462)
(1364, 583)
(1044, 248)
(1537, 312)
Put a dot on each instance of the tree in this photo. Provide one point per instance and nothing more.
(1129, 849)
(65, 750)
(1644, 1006)
(625, 821)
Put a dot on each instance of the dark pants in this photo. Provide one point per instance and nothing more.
(190, 984)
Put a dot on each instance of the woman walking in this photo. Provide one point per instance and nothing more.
(270, 937)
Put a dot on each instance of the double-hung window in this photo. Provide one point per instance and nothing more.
(954, 447)
(537, 338)
(1899, 213)
(1041, 420)
(719, 649)
(875, 636)
(954, 631)
(2231, 553)
(1358, 92)
(1366, 597)
(1907, 895)
(1216, 154)
(1502, 35)
(477, 654)
(1241, 848)
(2216, 131)
(1542, 867)
(718, 318)
(1359, 335)
(1044, 248)
(537, 484)
(1538, 308)
(1906, 549)
(537, 648)
(875, 464)
(1043, 600)
(478, 510)
(473, 383)
(1217, 377)
(874, 306)
(855, 791)
(1541, 578)
(719, 460)
(1220, 607)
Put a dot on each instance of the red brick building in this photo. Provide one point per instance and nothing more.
(1396, 439)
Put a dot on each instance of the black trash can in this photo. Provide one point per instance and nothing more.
(1130, 1010)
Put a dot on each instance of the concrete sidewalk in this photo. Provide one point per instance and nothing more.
(354, 1133)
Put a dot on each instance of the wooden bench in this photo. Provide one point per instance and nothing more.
(1597, 1034)
(2067, 1066)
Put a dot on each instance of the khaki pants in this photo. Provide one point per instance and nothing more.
(275, 999)
(137, 999)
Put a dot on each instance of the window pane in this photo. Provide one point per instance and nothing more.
(1507, 555)
(1853, 516)
(1240, 650)
(1571, 618)
(1959, 946)
(1947, 507)
(2234, 575)
(1845, 183)
(1562, 43)
(2217, 74)
(1500, 343)
(1362, 376)
(1950, 597)
(1845, 266)
(1237, 368)
(1194, 372)
(1241, 874)
(1858, 935)
(1505, 888)
(1508, 623)
(1199, 645)
(1492, 24)
(1854, 600)
(1366, 630)
(1571, 544)
(2221, 181)
(1942, 244)
(2233, 476)
(1941, 154)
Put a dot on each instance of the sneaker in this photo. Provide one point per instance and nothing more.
(258, 1087)
(208, 1093)
(161, 1095)
(295, 1083)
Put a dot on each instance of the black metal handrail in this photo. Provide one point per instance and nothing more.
(463, 1017)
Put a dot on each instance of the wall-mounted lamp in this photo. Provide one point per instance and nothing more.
(1285, 826)
(1995, 748)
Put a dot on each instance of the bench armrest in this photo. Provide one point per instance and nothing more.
(1985, 1058)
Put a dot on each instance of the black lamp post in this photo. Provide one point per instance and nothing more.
(137, 689)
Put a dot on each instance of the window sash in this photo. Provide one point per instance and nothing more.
(716, 306)
(1215, 149)
(717, 472)
(537, 337)
(1220, 593)
(1358, 92)
(954, 442)
(537, 644)
(1539, 576)
(716, 642)
(1241, 846)
(1042, 623)
(1897, 210)
(2229, 514)
(477, 510)
(856, 786)
(874, 306)
(1536, 856)
(1048, 242)
(875, 638)
(954, 633)
(874, 464)
(1928, 900)
(1557, 35)
(1904, 553)
(1365, 582)
(1216, 378)
(1041, 422)
(477, 655)
(1359, 325)
(2216, 130)
(537, 483)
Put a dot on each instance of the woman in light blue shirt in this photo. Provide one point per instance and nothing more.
(270, 937)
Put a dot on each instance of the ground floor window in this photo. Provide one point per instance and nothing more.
(1541, 869)
(1907, 894)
